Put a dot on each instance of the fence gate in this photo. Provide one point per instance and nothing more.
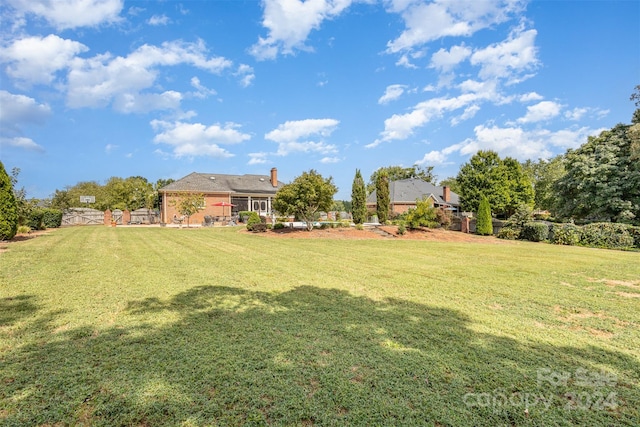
(116, 215)
(83, 216)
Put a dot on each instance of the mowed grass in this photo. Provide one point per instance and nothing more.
(197, 327)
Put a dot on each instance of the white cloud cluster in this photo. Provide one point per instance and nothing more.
(67, 14)
(544, 110)
(289, 23)
(427, 21)
(197, 139)
(513, 141)
(294, 136)
(16, 111)
(104, 79)
(35, 59)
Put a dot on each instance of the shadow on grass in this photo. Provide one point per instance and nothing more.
(303, 357)
(15, 308)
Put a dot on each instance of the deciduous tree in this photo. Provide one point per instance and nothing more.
(603, 178)
(189, 204)
(305, 197)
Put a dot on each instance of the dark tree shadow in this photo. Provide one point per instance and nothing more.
(15, 308)
(308, 356)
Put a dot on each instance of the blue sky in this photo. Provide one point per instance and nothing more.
(91, 89)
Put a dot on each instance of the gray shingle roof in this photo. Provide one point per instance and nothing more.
(412, 189)
(221, 183)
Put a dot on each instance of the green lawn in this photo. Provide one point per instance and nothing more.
(194, 327)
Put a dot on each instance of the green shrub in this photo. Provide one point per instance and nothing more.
(35, 219)
(258, 227)
(484, 223)
(359, 227)
(423, 215)
(606, 235)
(52, 218)
(23, 229)
(508, 233)
(402, 229)
(535, 231)
(253, 219)
(244, 215)
(278, 226)
(634, 231)
(8, 207)
(565, 234)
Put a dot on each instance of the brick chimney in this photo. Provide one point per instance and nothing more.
(274, 177)
(446, 194)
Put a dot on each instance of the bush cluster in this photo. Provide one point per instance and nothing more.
(535, 231)
(43, 218)
(606, 235)
(254, 222)
(600, 234)
(565, 234)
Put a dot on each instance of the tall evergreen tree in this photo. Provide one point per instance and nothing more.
(484, 225)
(358, 199)
(382, 197)
(8, 207)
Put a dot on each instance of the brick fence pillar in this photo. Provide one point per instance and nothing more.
(464, 225)
(107, 217)
(126, 217)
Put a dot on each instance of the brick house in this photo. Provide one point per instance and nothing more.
(246, 192)
(404, 193)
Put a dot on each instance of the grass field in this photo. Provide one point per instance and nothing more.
(195, 327)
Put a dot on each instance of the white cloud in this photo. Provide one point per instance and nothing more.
(197, 139)
(428, 21)
(468, 113)
(257, 158)
(401, 126)
(109, 148)
(246, 75)
(17, 111)
(508, 59)
(531, 96)
(541, 111)
(328, 160)
(66, 14)
(157, 20)
(578, 113)
(392, 93)
(445, 60)
(289, 136)
(203, 91)
(514, 142)
(289, 23)
(20, 142)
(36, 59)
(103, 79)
(405, 62)
(145, 102)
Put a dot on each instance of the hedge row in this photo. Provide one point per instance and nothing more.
(43, 218)
(600, 235)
